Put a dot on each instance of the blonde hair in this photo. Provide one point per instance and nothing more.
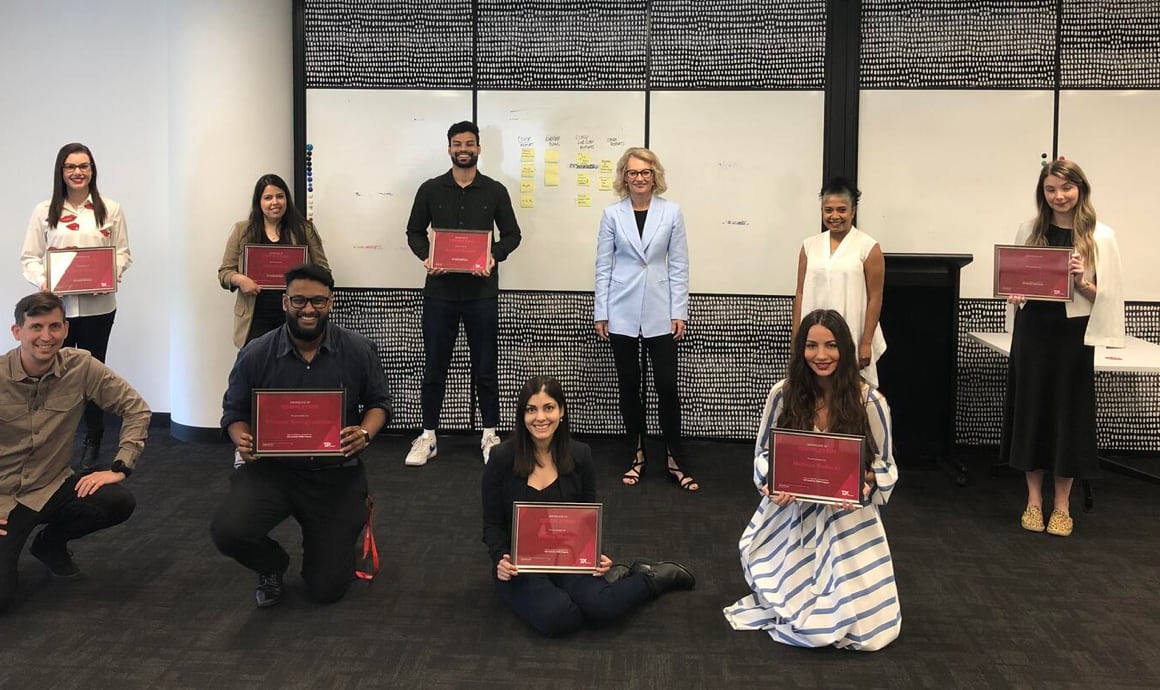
(1085, 214)
(640, 153)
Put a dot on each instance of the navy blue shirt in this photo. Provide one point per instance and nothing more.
(345, 359)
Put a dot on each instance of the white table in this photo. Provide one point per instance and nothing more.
(1137, 356)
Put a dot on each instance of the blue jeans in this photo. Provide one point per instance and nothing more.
(440, 329)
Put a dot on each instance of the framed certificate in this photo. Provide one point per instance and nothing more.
(80, 271)
(1041, 273)
(817, 467)
(297, 422)
(266, 264)
(461, 251)
(556, 537)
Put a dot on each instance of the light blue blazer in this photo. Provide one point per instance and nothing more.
(642, 282)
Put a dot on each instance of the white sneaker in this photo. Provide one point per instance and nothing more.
(422, 450)
(489, 441)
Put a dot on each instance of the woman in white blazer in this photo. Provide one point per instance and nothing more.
(1049, 416)
(642, 295)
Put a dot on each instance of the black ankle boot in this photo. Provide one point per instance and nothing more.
(664, 576)
(90, 456)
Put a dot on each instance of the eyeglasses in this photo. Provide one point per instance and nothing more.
(642, 174)
(318, 301)
(74, 167)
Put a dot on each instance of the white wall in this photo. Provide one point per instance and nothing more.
(76, 70)
(184, 104)
(230, 121)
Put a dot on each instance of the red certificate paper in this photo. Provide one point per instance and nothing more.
(297, 422)
(823, 468)
(81, 271)
(266, 264)
(461, 251)
(1038, 272)
(556, 537)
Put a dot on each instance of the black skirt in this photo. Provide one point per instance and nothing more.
(1049, 416)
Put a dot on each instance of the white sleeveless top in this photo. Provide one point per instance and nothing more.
(838, 281)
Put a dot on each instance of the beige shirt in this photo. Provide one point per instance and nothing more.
(39, 417)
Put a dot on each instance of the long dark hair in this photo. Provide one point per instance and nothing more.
(292, 227)
(59, 191)
(524, 446)
(802, 393)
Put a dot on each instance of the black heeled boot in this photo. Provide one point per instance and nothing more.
(90, 456)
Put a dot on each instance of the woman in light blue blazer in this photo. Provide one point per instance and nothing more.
(642, 295)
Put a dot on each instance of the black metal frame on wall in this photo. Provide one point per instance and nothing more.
(738, 344)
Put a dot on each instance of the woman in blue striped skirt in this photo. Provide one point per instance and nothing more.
(822, 574)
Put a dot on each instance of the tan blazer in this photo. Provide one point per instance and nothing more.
(232, 263)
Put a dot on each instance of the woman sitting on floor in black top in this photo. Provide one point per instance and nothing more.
(541, 462)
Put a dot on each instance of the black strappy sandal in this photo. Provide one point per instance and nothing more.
(636, 471)
(679, 477)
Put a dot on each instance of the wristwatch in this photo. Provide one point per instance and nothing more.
(366, 435)
(120, 466)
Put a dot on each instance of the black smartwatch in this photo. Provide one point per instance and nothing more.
(120, 466)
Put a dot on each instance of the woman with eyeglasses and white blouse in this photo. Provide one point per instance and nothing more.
(77, 216)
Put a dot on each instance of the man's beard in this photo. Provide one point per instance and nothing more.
(468, 164)
(303, 333)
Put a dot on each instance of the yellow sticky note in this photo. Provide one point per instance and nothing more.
(551, 176)
(606, 184)
(583, 180)
(527, 154)
(584, 200)
(527, 186)
(606, 166)
(527, 201)
(552, 156)
(583, 159)
(528, 170)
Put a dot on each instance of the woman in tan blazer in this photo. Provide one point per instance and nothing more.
(273, 220)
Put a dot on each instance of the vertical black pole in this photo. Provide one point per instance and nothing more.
(475, 62)
(647, 74)
(1058, 78)
(298, 49)
(840, 123)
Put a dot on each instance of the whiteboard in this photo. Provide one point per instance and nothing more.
(372, 150)
(556, 153)
(1113, 136)
(745, 166)
(951, 171)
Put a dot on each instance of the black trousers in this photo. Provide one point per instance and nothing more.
(440, 330)
(662, 350)
(559, 604)
(268, 314)
(329, 504)
(92, 333)
(67, 517)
